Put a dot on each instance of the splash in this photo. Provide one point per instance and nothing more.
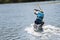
(48, 31)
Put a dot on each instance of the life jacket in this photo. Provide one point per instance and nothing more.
(40, 16)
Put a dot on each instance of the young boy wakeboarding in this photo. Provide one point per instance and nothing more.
(39, 19)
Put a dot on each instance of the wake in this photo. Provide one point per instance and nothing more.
(48, 30)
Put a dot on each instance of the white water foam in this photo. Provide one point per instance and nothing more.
(48, 31)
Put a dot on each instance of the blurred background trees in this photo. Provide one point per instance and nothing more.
(15, 1)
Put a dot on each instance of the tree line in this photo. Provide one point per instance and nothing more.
(15, 1)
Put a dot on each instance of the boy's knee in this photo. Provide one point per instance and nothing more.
(42, 23)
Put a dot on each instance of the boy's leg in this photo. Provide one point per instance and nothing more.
(40, 27)
(35, 25)
(42, 24)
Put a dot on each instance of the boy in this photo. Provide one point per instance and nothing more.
(39, 19)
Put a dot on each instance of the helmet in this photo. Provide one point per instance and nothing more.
(36, 9)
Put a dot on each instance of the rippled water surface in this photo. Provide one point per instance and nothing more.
(15, 18)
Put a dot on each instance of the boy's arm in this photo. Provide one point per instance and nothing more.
(41, 10)
(35, 13)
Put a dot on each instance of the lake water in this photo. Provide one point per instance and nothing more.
(15, 18)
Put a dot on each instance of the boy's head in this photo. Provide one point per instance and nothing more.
(35, 10)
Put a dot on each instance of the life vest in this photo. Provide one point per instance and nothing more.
(40, 15)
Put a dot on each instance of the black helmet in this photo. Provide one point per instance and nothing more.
(36, 9)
